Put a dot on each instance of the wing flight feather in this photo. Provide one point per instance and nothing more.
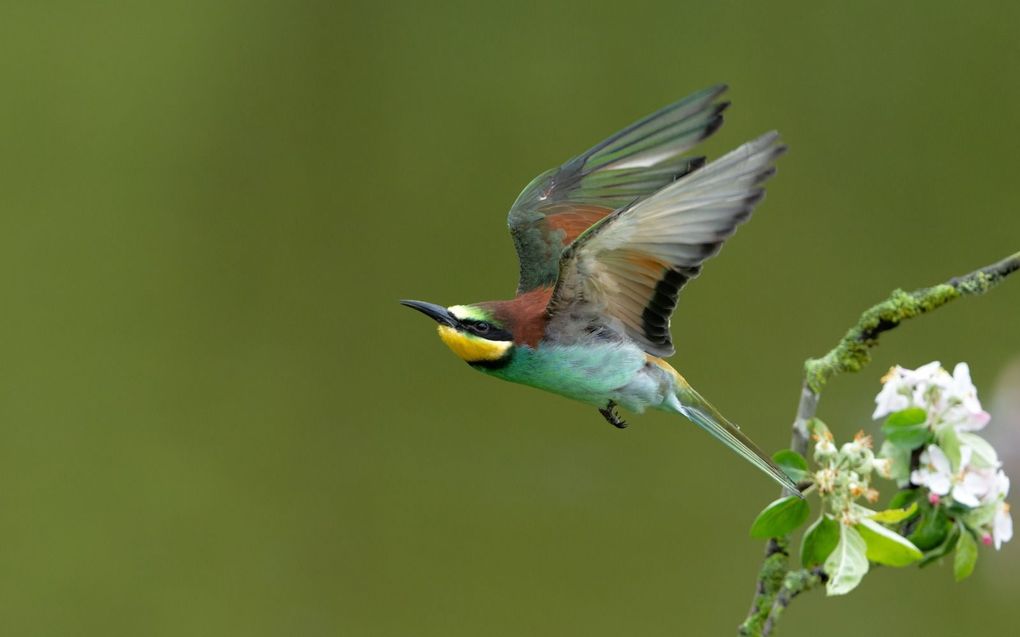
(561, 203)
(624, 274)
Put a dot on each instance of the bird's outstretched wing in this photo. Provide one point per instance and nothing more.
(561, 203)
(624, 273)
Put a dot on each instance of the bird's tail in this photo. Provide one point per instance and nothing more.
(703, 414)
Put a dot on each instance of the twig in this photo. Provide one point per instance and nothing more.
(851, 355)
(805, 412)
(770, 579)
(795, 583)
(777, 585)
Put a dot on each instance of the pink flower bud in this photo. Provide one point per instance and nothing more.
(986, 539)
(933, 498)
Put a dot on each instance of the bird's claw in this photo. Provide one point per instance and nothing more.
(609, 413)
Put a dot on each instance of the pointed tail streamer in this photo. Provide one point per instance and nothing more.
(703, 414)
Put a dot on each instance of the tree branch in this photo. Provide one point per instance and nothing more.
(770, 580)
(795, 583)
(777, 585)
(852, 353)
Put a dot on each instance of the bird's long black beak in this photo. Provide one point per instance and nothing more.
(438, 313)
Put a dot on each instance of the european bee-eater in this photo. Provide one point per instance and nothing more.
(605, 243)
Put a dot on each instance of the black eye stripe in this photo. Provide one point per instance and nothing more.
(486, 330)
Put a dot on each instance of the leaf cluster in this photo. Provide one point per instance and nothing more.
(846, 538)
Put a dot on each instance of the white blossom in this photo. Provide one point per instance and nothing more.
(1002, 526)
(968, 486)
(902, 388)
(930, 374)
(935, 471)
(963, 407)
(824, 448)
(968, 489)
(892, 398)
(947, 398)
(991, 483)
(1000, 486)
(883, 466)
(974, 479)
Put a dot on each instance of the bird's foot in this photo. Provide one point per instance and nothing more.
(609, 413)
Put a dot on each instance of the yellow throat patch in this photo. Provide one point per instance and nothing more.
(471, 348)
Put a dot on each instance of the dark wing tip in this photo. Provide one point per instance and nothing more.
(713, 125)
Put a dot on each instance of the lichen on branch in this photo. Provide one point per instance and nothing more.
(852, 353)
(770, 580)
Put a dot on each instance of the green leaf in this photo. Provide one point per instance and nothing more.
(981, 516)
(893, 516)
(780, 517)
(886, 546)
(984, 454)
(943, 549)
(792, 463)
(904, 497)
(932, 529)
(819, 541)
(900, 458)
(950, 444)
(966, 556)
(847, 564)
(909, 417)
(908, 428)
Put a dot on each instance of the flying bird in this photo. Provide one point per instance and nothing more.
(605, 243)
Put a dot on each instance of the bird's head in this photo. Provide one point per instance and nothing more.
(473, 332)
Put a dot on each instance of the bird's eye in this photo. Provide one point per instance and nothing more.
(482, 327)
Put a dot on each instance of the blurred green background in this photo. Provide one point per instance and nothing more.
(216, 420)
